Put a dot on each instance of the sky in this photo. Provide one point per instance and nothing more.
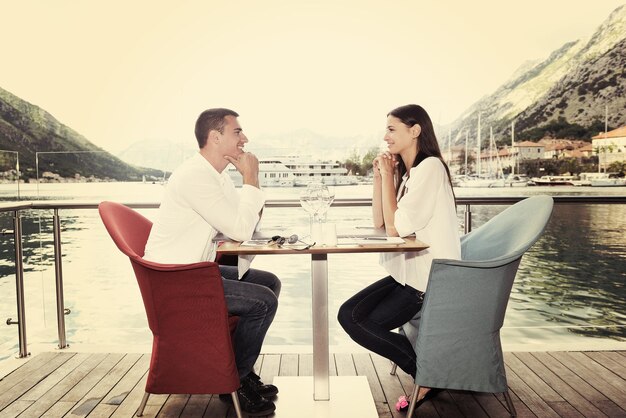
(119, 72)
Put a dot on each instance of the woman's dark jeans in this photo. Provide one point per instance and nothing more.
(370, 316)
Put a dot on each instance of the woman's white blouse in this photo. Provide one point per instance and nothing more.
(427, 209)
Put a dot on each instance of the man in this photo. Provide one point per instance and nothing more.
(200, 200)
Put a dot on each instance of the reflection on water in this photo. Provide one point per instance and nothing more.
(569, 285)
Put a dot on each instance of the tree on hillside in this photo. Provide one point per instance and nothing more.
(461, 162)
(368, 160)
(357, 165)
(353, 163)
(562, 129)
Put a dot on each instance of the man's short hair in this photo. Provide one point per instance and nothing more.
(209, 120)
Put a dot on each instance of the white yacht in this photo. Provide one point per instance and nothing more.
(297, 171)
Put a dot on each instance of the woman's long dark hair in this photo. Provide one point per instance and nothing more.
(427, 141)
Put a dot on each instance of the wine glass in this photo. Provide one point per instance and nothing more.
(326, 196)
(307, 201)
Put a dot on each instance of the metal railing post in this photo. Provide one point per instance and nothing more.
(468, 218)
(19, 286)
(58, 272)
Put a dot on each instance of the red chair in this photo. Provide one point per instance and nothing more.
(192, 351)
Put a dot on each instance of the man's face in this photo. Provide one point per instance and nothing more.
(232, 140)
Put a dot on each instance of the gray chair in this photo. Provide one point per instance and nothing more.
(456, 335)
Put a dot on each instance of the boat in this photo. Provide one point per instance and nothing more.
(517, 180)
(607, 180)
(554, 180)
(475, 181)
(295, 171)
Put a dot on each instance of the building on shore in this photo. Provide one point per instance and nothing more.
(610, 146)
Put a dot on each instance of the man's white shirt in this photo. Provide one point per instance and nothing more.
(198, 203)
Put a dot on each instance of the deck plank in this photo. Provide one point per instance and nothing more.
(427, 409)
(567, 392)
(32, 379)
(611, 360)
(467, 404)
(15, 408)
(92, 378)
(531, 379)
(59, 409)
(30, 365)
(93, 398)
(345, 364)
(598, 376)
(217, 409)
(391, 387)
(174, 406)
(525, 393)
(305, 365)
(496, 409)
(558, 384)
(101, 411)
(196, 405)
(288, 365)
(365, 367)
(270, 367)
(132, 388)
(64, 384)
(586, 391)
(125, 385)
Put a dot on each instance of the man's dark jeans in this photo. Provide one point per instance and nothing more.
(254, 299)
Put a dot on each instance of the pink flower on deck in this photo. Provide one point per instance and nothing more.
(402, 403)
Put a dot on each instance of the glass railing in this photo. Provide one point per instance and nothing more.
(569, 285)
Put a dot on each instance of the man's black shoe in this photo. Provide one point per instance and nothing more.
(251, 402)
(267, 391)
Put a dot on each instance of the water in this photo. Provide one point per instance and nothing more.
(569, 288)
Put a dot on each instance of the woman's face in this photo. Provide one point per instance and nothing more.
(399, 137)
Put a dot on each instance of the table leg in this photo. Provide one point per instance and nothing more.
(319, 277)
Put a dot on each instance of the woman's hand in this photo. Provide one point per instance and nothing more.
(385, 164)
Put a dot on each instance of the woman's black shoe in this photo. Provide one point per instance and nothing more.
(429, 395)
(403, 404)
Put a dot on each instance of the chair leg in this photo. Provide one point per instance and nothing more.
(236, 404)
(416, 389)
(143, 403)
(509, 404)
(394, 366)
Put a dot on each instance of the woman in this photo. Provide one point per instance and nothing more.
(412, 194)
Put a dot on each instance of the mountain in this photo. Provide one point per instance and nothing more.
(575, 82)
(162, 154)
(167, 155)
(307, 143)
(28, 129)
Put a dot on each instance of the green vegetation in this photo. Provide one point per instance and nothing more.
(554, 167)
(562, 129)
(44, 143)
(360, 166)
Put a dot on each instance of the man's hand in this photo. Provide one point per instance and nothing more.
(248, 165)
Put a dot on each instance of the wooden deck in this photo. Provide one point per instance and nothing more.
(554, 384)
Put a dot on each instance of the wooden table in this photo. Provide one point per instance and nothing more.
(347, 394)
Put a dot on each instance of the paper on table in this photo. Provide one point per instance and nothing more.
(379, 241)
(254, 243)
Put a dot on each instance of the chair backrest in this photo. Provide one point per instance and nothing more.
(128, 228)
(192, 348)
(511, 232)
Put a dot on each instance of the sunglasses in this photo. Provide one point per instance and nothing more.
(293, 239)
